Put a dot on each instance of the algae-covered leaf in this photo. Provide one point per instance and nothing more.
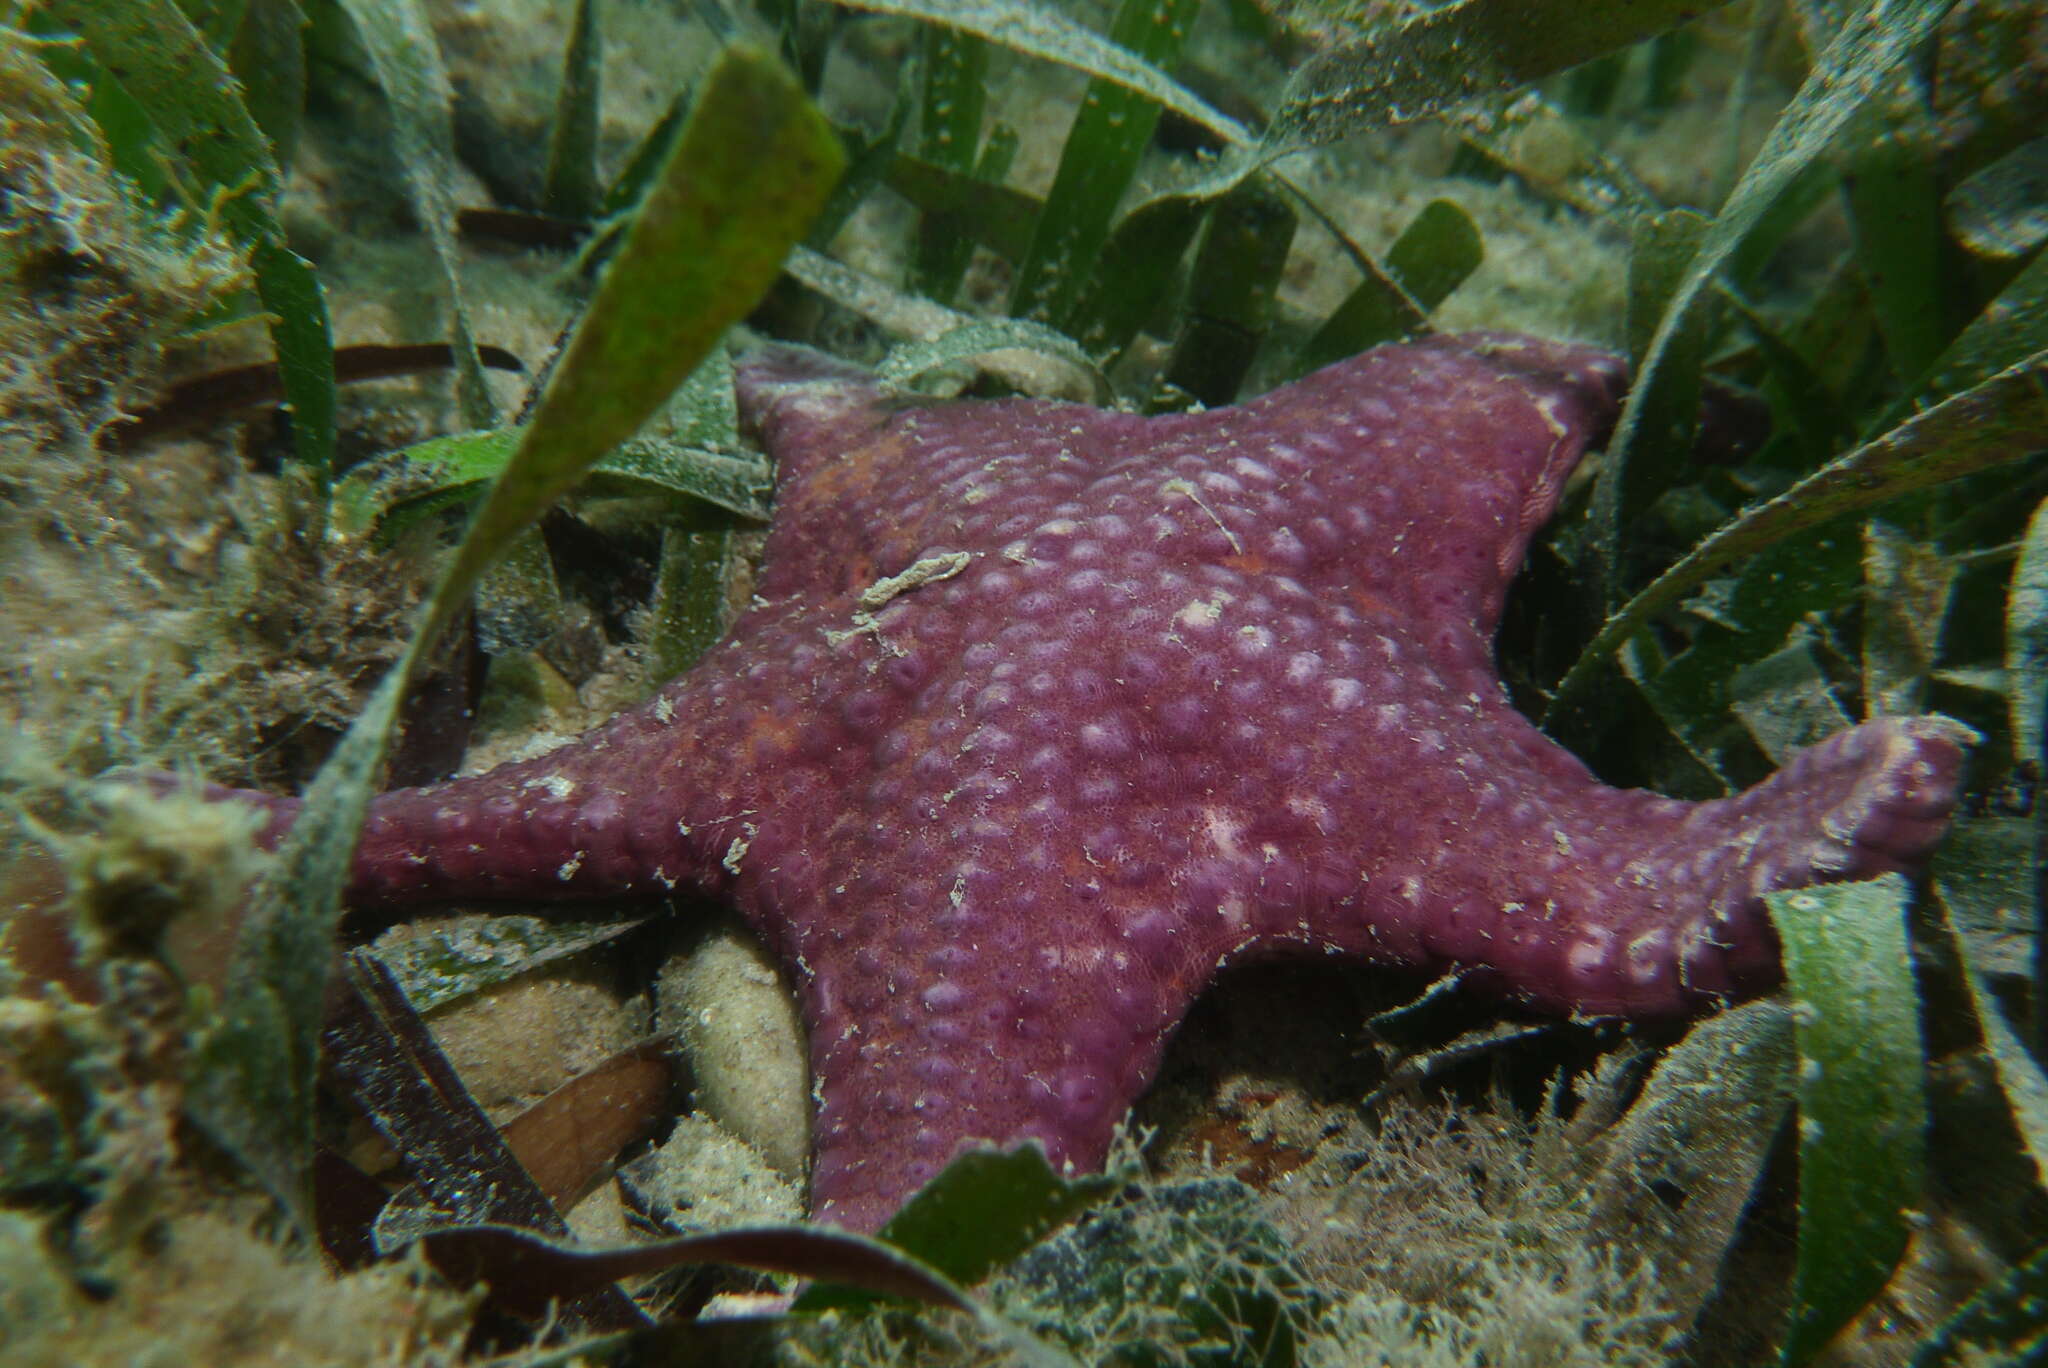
(1786, 702)
(926, 324)
(395, 490)
(1998, 421)
(2026, 641)
(2003, 1326)
(891, 309)
(1044, 33)
(1445, 55)
(1641, 461)
(735, 481)
(689, 611)
(447, 964)
(1683, 1163)
(1911, 584)
(982, 1211)
(979, 337)
(1738, 623)
(1862, 1111)
(1552, 155)
(2002, 210)
(1985, 871)
(2020, 1078)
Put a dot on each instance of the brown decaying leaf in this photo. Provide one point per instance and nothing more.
(521, 227)
(566, 1139)
(203, 398)
(528, 1271)
(384, 1058)
(35, 936)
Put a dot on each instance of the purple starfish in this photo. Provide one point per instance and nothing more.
(1044, 713)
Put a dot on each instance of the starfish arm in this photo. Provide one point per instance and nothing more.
(1411, 478)
(1051, 1051)
(837, 441)
(1550, 888)
(1876, 799)
(653, 799)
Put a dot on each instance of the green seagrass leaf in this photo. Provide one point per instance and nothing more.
(1999, 420)
(569, 187)
(185, 90)
(984, 1209)
(1894, 204)
(1862, 1110)
(954, 79)
(1037, 31)
(268, 56)
(407, 59)
(1641, 459)
(1110, 133)
(1434, 254)
(751, 170)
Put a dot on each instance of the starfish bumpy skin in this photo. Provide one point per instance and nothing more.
(1044, 713)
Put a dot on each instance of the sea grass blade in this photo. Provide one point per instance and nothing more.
(2000, 420)
(751, 170)
(949, 134)
(570, 189)
(1864, 55)
(1446, 55)
(184, 87)
(1862, 1110)
(1109, 134)
(1435, 252)
(1040, 32)
(407, 60)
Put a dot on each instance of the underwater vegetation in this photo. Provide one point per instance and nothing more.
(368, 414)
